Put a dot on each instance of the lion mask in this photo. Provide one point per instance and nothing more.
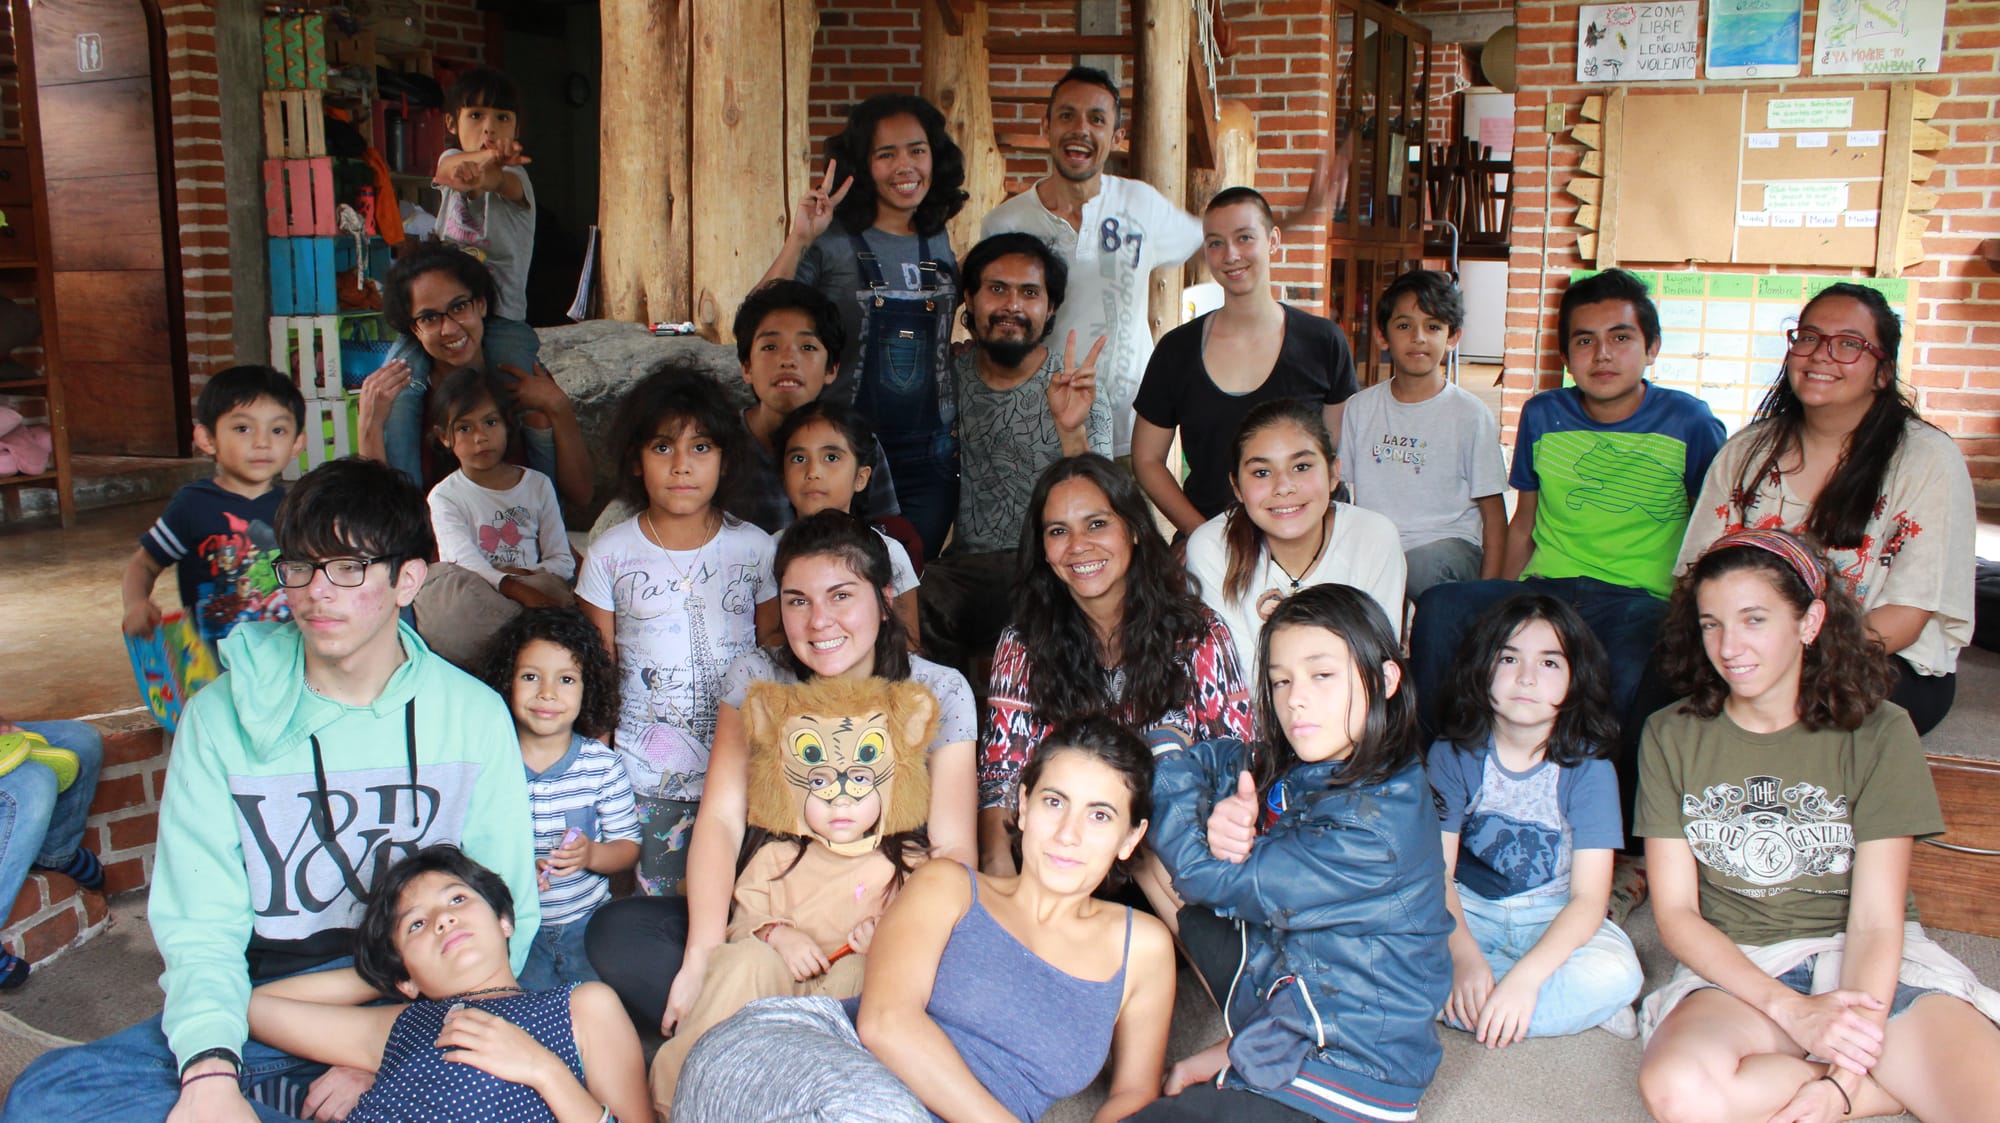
(819, 739)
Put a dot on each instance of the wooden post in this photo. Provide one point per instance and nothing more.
(643, 188)
(1160, 131)
(741, 153)
(1235, 153)
(955, 70)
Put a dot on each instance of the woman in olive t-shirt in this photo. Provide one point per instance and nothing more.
(1779, 803)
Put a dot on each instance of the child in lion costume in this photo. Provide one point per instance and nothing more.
(838, 783)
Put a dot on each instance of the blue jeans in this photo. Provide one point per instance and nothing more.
(926, 478)
(1597, 980)
(38, 826)
(557, 958)
(1625, 620)
(506, 343)
(133, 1075)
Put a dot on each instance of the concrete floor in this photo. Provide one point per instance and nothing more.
(62, 647)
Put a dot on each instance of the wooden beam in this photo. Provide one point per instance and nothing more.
(1896, 170)
(1593, 108)
(1586, 217)
(955, 80)
(1584, 189)
(1160, 131)
(1590, 136)
(1606, 245)
(737, 149)
(1592, 163)
(952, 15)
(1201, 119)
(1235, 153)
(643, 246)
(1057, 43)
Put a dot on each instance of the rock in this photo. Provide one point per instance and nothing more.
(596, 362)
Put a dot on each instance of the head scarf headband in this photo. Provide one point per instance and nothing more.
(1795, 553)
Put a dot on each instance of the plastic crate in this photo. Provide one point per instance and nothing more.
(360, 358)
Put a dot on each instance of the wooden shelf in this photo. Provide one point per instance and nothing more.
(24, 386)
(39, 479)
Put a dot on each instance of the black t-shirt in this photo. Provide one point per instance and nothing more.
(1314, 365)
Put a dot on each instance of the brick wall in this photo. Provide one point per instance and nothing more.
(1280, 69)
(1955, 368)
(50, 915)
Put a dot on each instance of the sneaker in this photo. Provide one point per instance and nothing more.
(1628, 888)
(1624, 1024)
(13, 971)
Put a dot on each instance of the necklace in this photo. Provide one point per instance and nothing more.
(1325, 524)
(463, 995)
(683, 578)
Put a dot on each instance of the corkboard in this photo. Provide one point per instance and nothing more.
(1708, 178)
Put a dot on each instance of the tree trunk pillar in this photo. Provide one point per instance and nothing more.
(1160, 131)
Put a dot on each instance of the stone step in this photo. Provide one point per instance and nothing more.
(51, 915)
(1954, 889)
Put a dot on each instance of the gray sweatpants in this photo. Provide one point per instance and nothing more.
(790, 1060)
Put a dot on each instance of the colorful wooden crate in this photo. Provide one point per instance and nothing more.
(302, 277)
(298, 197)
(294, 124)
(295, 52)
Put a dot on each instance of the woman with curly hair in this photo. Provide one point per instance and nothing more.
(1838, 453)
(551, 666)
(871, 237)
(1104, 623)
(1780, 801)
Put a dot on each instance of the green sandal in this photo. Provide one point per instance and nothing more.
(24, 746)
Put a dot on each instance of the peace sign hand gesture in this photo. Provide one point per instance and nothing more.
(814, 212)
(1073, 389)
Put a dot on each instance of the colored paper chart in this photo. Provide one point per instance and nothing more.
(170, 665)
(1722, 335)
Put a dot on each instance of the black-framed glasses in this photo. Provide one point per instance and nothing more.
(430, 319)
(1804, 343)
(347, 573)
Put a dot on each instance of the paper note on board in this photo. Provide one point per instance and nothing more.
(1897, 37)
(1761, 140)
(1787, 218)
(1859, 219)
(1638, 42)
(1805, 196)
(1864, 138)
(1812, 140)
(1810, 113)
(1752, 218)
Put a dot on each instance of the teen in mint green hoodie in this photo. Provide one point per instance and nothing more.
(333, 745)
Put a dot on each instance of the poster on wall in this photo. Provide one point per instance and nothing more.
(1638, 42)
(1754, 38)
(1879, 37)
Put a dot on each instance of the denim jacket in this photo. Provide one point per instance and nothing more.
(1341, 907)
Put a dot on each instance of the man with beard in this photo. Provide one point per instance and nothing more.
(1021, 407)
(1111, 232)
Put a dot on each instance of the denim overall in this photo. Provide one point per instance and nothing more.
(900, 390)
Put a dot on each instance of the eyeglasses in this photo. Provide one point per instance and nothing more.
(430, 319)
(1844, 349)
(347, 573)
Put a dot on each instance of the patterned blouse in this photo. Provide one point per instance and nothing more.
(1220, 707)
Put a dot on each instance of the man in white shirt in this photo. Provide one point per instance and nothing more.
(1111, 232)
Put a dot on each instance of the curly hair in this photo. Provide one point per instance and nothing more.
(1585, 726)
(433, 257)
(1843, 674)
(1389, 742)
(568, 629)
(677, 396)
(1161, 623)
(851, 147)
(1839, 516)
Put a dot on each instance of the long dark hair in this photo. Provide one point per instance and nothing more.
(836, 534)
(1242, 539)
(1584, 727)
(432, 257)
(850, 149)
(1388, 742)
(597, 715)
(1843, 674)
(1162, 623)
(376, 958)
(1839, 517)
(1114, 746)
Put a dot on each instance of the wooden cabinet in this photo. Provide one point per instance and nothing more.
(25, 272)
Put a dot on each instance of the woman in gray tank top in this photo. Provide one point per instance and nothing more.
(1001, 993)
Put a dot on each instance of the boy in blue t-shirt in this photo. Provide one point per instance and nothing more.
(217, 532)
(1606, 473)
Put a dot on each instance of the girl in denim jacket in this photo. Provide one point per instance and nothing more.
(1320, 848)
